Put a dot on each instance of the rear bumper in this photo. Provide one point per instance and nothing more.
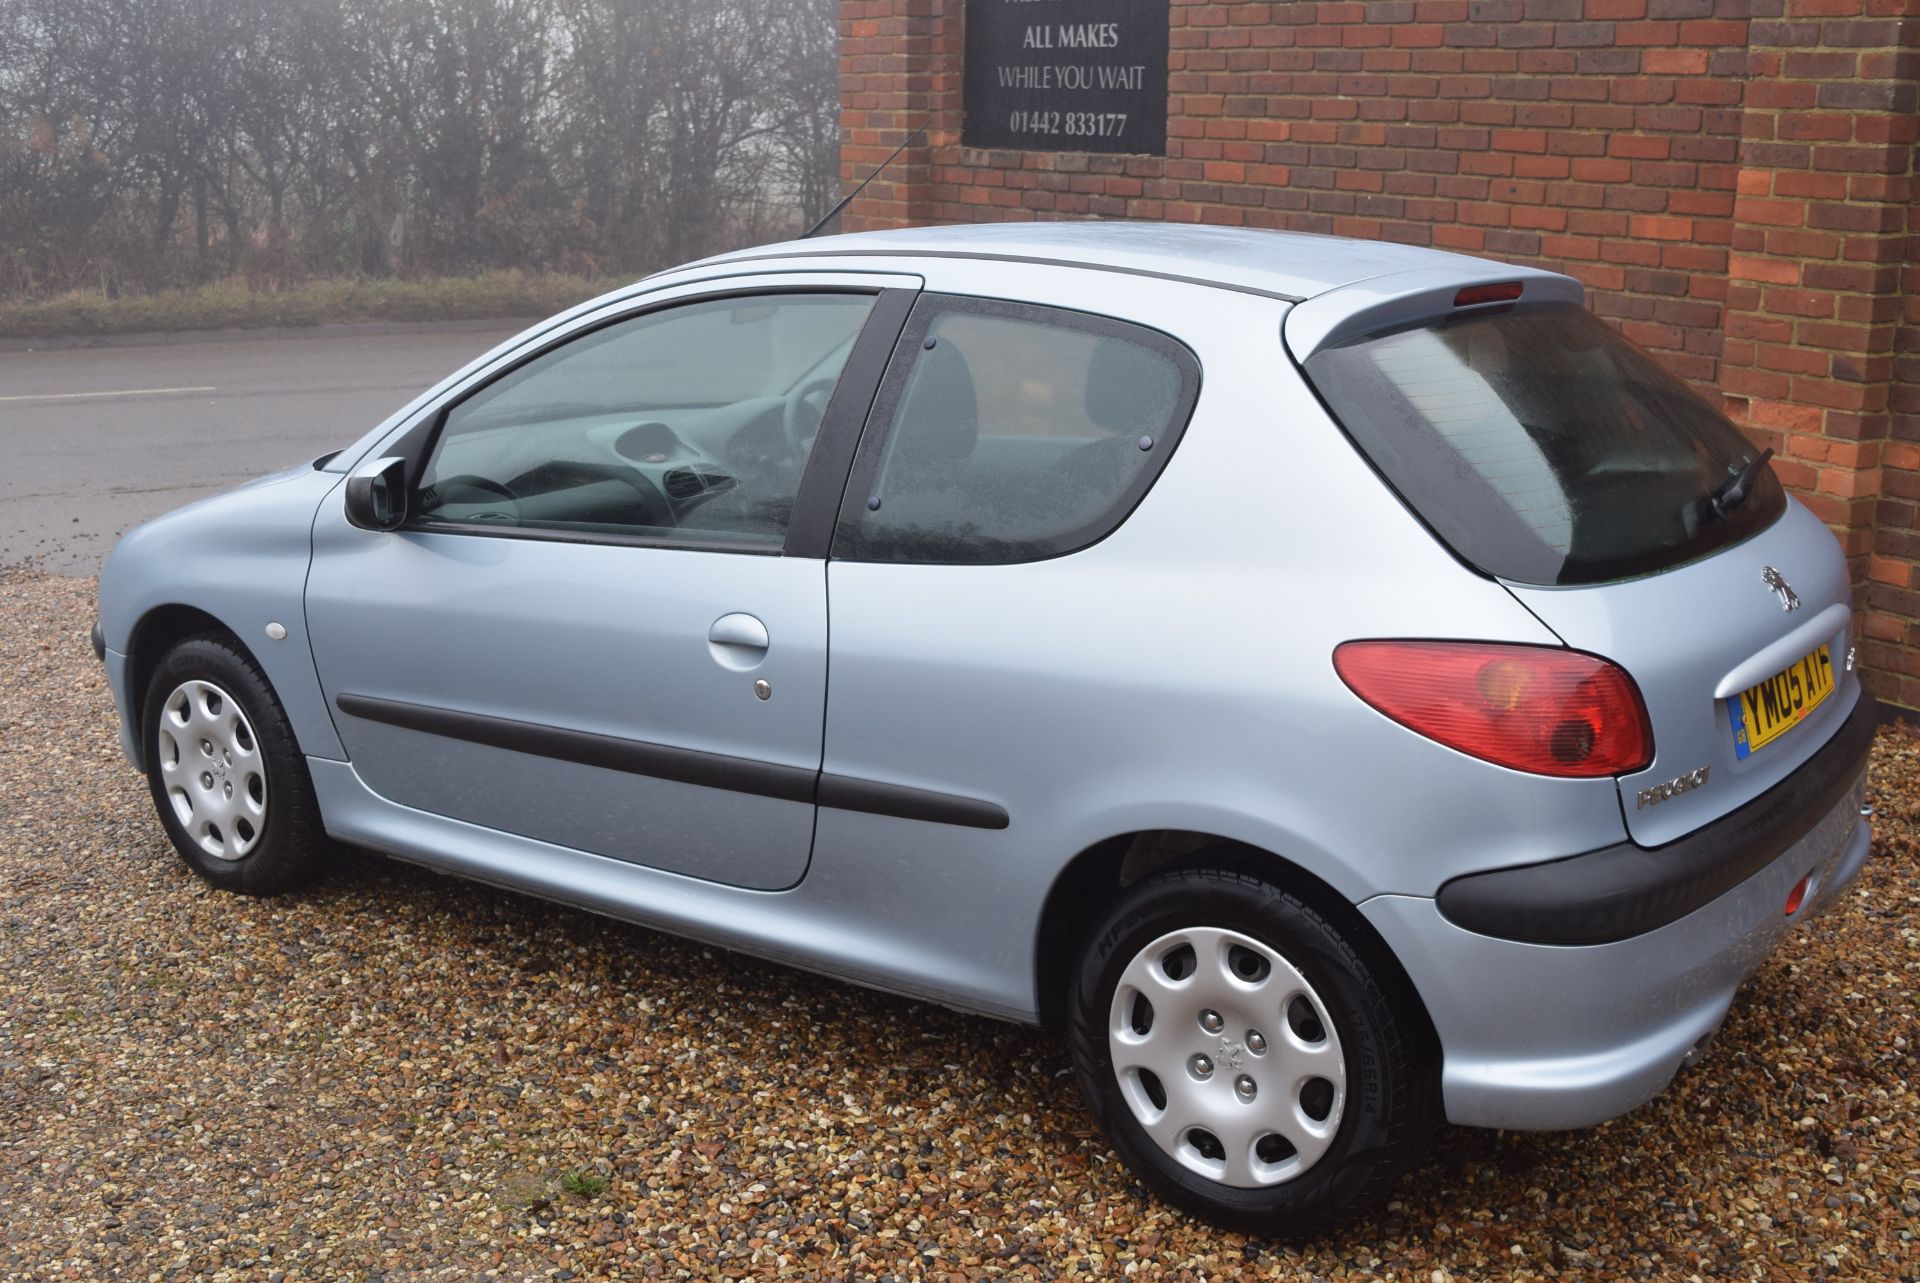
(1627, 890)
(1544, 1036)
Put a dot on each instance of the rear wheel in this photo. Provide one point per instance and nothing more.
(226, 775)
(1251, 1062)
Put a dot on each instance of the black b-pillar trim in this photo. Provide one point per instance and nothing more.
(816, 506)
(682, 765)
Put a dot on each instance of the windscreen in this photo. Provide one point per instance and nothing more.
(1543, 447)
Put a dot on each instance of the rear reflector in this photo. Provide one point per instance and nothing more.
(1505, 292)
(1798, 896)
(1532, 708)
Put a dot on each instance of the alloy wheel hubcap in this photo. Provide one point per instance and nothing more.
(214, 773)
(1226, 1057)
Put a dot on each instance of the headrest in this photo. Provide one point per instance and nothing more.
(1129, 388)
(946, 410)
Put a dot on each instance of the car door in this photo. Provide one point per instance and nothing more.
(985, 652)
(603, 623)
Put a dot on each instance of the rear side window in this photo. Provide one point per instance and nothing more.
(1542, 446)
(1007, 432)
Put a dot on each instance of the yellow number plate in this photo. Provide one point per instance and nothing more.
(1762, 714)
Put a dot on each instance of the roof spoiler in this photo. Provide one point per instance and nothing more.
(1403, 298)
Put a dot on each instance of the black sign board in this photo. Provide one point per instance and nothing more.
(1067, 75)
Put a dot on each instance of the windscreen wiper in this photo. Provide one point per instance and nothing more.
(1732, 492)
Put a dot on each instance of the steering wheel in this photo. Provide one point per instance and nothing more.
(800, 419)
(473, 481)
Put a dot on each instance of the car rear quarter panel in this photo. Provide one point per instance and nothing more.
(242, 558)
(1179, 673)
(1683, 635)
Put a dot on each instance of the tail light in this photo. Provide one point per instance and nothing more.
(1531, 708)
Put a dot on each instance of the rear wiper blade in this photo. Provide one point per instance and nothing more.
(1732, 492)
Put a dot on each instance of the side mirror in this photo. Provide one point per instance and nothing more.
(377, 494)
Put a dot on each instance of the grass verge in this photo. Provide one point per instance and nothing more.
(230, 305)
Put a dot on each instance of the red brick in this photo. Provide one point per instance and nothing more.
(1638, 147)
(1661, 228)
(1528, 140)
(1777, 213)
(1734, 194)
(1784, 416)
(1776, 271)
(1850, 483)
(1674, 62)
(1888, 571)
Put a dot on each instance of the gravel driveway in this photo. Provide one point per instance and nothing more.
(401, 1076)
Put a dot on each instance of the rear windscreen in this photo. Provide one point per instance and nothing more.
(1543, 447)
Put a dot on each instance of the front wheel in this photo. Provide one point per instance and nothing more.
(1249, 1061)
(226, 774)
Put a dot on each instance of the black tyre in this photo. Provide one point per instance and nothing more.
(1250, 1061)
(227, 778)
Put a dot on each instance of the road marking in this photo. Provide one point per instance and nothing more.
(77, 396)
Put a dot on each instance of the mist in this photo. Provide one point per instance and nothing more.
(154, 143)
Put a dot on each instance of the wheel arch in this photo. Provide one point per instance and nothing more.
(156, 632)
(1091, 881)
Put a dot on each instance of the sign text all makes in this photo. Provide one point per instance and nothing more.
(1067, 75)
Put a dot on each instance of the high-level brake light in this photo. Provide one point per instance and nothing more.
(1505, 292)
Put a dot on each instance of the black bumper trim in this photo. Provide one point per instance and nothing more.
(99, 640)
(1627, 890)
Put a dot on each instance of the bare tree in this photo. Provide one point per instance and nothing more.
(806, 73)
(163, 140)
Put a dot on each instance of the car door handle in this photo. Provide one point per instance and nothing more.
(739, 630)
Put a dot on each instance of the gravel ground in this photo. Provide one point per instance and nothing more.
(400, 1076)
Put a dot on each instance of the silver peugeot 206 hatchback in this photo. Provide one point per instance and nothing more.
(1343, 686)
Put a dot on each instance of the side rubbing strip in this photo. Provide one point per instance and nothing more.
(845, 793)
(635, 757)
(682, 765)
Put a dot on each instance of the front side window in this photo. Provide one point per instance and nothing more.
(1542, 446)
(1007, 432)
(691, 424)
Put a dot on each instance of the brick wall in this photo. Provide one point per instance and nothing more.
(1731, 179)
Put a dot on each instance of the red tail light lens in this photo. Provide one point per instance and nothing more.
(1532, 708)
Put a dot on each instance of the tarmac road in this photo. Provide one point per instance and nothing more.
(96, 440)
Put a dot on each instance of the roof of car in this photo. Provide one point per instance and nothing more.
(1292, 265)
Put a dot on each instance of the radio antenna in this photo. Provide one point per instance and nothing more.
(848, 198)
